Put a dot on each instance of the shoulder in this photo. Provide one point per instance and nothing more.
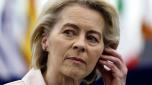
(33, 77)
(18, 82)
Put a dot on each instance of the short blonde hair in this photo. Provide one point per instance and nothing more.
(49, 17)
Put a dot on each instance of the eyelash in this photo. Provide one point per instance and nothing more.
(92, 39)
(69, 33)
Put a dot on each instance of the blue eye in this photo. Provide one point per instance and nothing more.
(92, 39)
(69, 33)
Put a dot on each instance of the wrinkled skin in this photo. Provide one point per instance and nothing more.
(75, 46)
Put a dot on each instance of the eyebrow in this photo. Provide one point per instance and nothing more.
(95, 32)
(71, 25)
(76, 27)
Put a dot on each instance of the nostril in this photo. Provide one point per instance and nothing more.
(81, 49)
(75, 47)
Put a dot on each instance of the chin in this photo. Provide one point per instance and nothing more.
(74, 72)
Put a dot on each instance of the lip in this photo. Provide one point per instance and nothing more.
(76, 59)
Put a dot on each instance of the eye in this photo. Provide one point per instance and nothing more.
(69, 33)
(92, 39)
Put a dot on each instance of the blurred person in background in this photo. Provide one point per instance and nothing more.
(74, 41)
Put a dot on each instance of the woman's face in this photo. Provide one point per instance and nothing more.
(75, 42)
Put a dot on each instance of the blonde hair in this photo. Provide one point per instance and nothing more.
(49, 17)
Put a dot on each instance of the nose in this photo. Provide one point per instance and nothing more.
(79, 45)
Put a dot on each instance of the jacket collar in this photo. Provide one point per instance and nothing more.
(34, 77)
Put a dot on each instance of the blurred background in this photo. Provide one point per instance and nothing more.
(17, 18)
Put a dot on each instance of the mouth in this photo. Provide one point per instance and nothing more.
(76, 59)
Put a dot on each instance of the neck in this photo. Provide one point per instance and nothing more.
(53, 77)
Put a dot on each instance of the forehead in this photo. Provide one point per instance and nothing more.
(82, 16)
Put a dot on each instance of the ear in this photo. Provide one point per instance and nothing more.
(44, 42)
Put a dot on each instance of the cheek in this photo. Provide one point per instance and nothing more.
(94, 55)
(58, 48)
(93, 59)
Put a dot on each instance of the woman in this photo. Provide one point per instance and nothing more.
(73, 41)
